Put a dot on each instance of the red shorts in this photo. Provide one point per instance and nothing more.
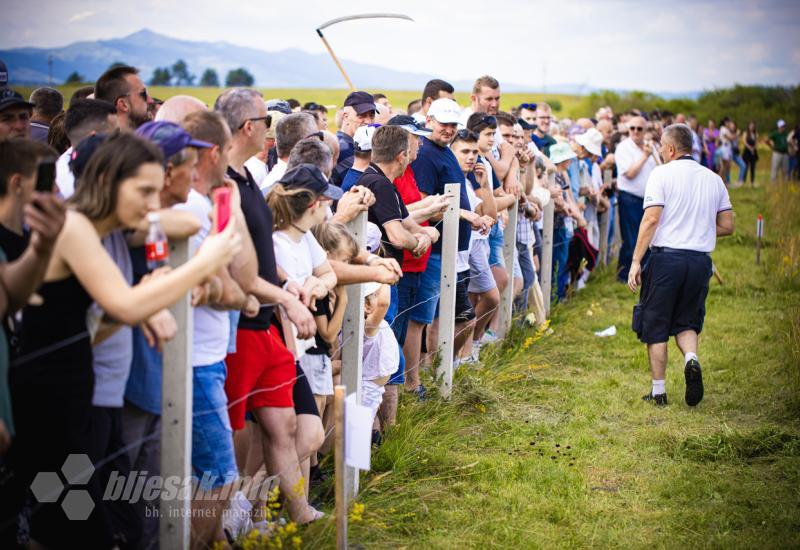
(260, 374)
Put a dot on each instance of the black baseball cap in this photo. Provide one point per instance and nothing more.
(408, 123)
(309, 176)
(362, 102)
(525, 124)
(9, 98)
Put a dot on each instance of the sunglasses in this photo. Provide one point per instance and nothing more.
(635, 128)
(467, 135)
(267, 120)
(311, 106)
(320, 135)
(529, 106)
(142, 94)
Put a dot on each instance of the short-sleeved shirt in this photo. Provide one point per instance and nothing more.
(351, 178)
(300, 258)
(346, 152)
(543, 143)
(780, 142)
(626, 155)
(258, 217)
(409, 192)
(211, 326)
(692, 196)
(388, 206)
(436, 166)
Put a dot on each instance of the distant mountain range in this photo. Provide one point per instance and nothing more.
(290, 68)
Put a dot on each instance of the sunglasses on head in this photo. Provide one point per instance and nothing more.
(320, 135)
(267, 120)
(529, 106)
(467, 135)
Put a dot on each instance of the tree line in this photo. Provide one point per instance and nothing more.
(763, 104)
(178, 75)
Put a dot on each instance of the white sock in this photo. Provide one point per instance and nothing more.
(689, 356)
(659, 387)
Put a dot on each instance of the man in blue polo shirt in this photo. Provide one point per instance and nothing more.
(435, 166)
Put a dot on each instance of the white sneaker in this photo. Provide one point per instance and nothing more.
(236, 520)
(489, 337)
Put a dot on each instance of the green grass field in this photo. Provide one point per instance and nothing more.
(549, 445)
(571, 104)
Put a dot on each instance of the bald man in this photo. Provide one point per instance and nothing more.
(177, 107)
(634, 160)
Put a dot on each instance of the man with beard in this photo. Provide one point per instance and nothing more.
(123, 88)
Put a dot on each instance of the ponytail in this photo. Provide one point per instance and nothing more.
(288, 205)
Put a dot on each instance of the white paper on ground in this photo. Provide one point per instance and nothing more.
(358, 434)
(610, 331)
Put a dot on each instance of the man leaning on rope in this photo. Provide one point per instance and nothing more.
(686, 207)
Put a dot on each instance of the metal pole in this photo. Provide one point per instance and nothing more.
(339, 468)
(353, 339)
(507, 297)
(336, 60)
(447, 289)
(547, 256)
(176, 415)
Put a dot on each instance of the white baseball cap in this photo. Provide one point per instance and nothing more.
(592, 141)
(445, 111)
(781, 123)
(363, 138)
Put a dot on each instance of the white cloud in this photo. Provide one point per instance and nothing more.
(81, 16)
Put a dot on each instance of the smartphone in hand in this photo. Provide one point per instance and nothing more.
(46, 176)
(222, 200)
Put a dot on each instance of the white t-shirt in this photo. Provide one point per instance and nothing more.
(298, 260)
(626, 155)
(64, 177)
(211, 326)
(258, 169)
(691, 195)
(274, 175)
(381, 355)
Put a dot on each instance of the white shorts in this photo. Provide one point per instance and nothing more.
(371, 395)
(319, 373)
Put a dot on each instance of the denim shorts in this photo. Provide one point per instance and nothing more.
(423, 309)
(213, 457)
(496, 246)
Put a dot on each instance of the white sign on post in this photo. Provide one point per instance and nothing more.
(357, 433)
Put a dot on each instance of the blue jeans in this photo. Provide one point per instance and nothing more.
(213, 458)
(391, 317)
(630, 217)
(561, 238)
(742, 166)
(526, 265)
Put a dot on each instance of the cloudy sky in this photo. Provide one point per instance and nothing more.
(680, 45)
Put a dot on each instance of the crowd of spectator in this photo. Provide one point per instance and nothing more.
(87, 315)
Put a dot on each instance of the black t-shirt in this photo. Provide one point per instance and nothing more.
(259, 223)
(13, 244)
(321, 347)
(388, 206)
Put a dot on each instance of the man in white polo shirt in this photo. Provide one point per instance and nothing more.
(686, 208)
(635, 161)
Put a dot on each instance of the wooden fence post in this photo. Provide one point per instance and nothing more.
(353, 339)
(447, 289)
(176, 415)
(546, 268)
(509, 248)
(339, 467)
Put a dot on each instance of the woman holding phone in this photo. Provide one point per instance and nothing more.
(52, 380)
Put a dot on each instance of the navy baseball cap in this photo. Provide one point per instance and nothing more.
(169, 137)
(408, 123)
(362, 102)
(81, 153)
(278, 105)
(525, 124)
(9, 98)
(308, 176)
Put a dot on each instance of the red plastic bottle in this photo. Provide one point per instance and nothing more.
(156, 249)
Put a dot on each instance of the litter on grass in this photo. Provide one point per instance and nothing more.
(606, 333)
